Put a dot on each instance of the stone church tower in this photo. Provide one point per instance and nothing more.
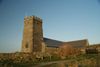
(32, 35)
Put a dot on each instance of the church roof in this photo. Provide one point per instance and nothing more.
(78, 43)
(51, 42)
(56, 43)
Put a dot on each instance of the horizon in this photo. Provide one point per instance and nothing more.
(63, 20)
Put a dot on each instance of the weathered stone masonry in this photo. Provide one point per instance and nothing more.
(32, 35)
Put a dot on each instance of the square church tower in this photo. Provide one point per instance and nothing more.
(32, 35)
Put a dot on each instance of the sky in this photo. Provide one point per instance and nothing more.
(63, 20)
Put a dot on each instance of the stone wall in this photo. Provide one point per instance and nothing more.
(52, 50)
(32, 35)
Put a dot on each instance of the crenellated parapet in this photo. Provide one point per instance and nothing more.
(27, 18)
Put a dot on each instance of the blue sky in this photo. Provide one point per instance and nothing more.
(64, 20)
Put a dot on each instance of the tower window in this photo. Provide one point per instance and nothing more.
(26, 46)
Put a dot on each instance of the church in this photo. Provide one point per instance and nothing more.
(33, 40)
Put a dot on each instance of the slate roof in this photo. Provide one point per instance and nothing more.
(78, 43)
(56, 43)
(51, 42)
